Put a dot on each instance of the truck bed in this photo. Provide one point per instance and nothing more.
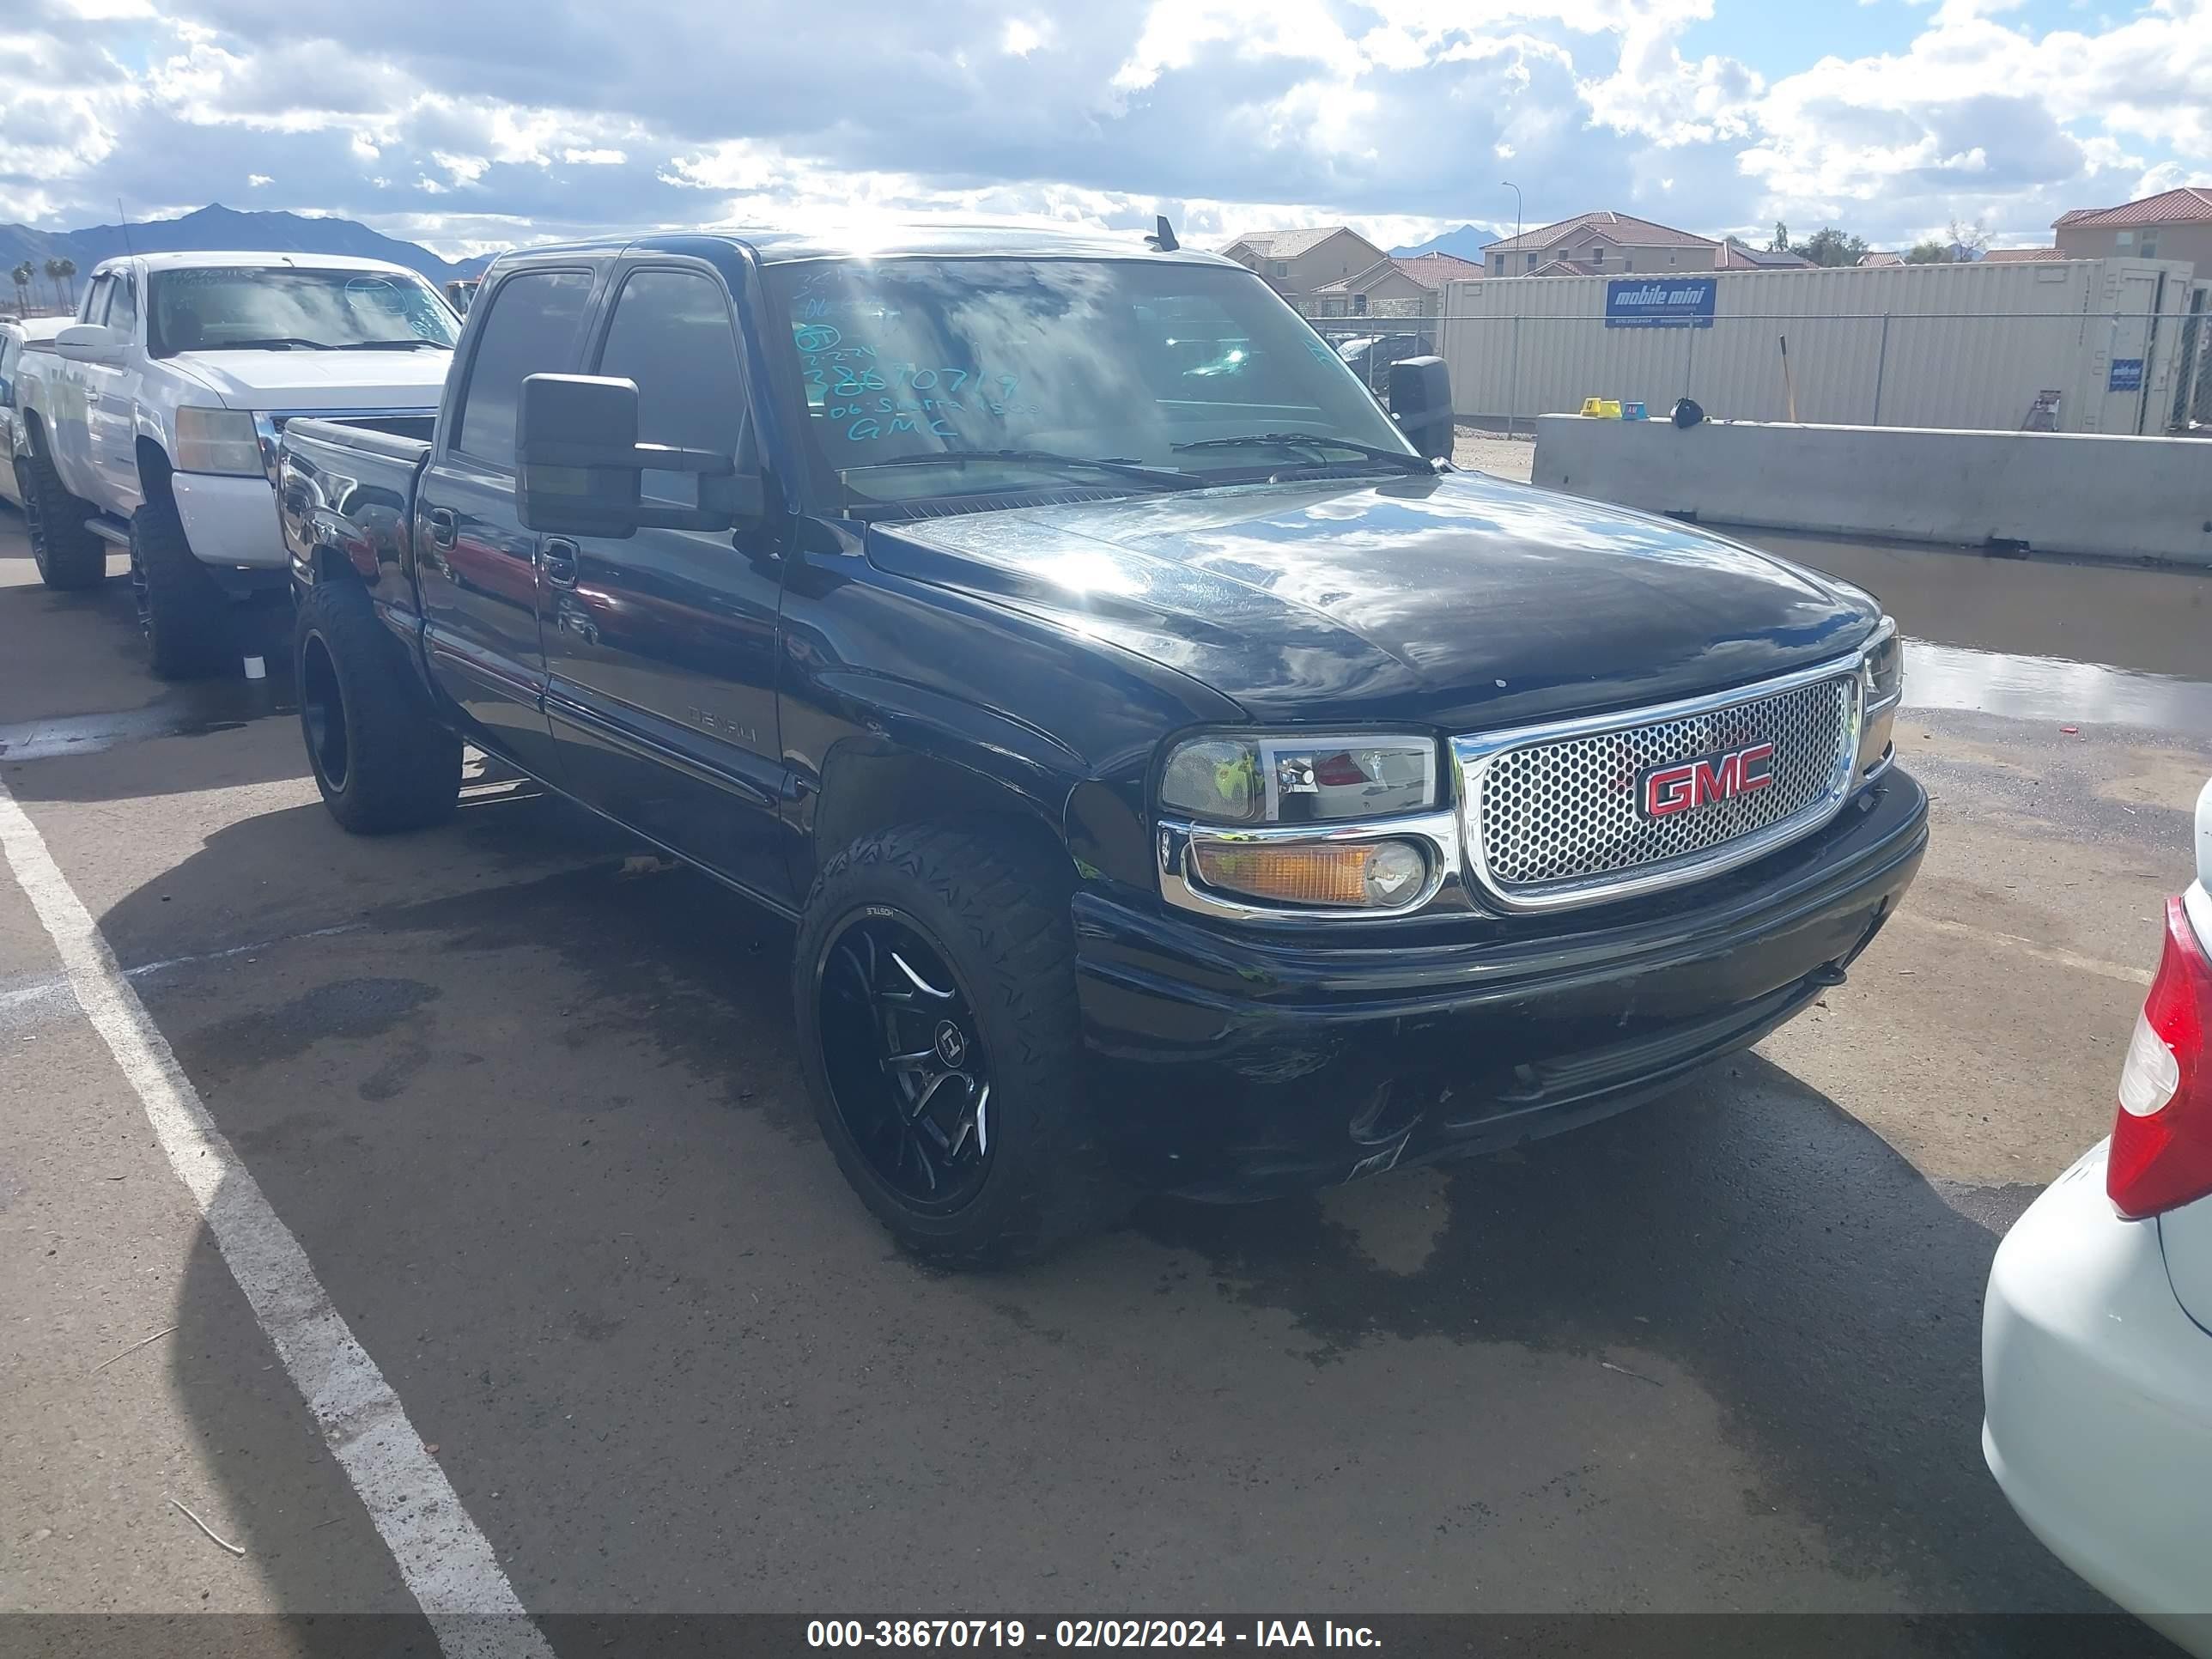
(345, 490)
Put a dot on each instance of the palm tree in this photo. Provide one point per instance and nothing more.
(22, 275)
(67, 266)
(54, 276)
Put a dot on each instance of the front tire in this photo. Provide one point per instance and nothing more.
(68, 556)
(380, 758)
(935, 983)
(185, 616)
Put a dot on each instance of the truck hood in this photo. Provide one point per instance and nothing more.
(331, 380)
(1460, 602)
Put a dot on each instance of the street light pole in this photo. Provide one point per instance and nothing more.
(1509, 185)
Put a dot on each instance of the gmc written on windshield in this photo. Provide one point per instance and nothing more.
(1180, 779)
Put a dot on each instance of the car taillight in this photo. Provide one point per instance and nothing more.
(2161, 1156)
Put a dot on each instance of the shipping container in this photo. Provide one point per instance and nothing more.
(2073, 345)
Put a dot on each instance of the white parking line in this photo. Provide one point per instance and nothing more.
(446, 1561)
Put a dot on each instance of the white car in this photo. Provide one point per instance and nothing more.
(152, 425)
(17, 336)
(2097, 1330)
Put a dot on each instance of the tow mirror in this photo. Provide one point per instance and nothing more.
(1421, 404)
(580, 465)
(89, 343)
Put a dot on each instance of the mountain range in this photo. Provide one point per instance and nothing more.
(217, 227)
(1466, 243)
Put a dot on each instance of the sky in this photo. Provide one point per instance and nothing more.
(487, 123)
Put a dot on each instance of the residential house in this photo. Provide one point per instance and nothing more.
(1603, 243)
(1392, 287)
(2006, 256)
(2175, 224)
(1881, 258)
(1296, 263)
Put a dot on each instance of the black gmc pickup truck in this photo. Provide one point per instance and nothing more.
(1179, 780)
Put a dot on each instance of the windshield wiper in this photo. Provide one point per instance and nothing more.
(1150, 474)
(1396, 457)
(273, 342)
(392, 345)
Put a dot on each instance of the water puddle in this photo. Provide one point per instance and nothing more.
(212, 708)
(2050, 688)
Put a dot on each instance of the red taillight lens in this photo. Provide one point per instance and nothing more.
(1339, 769)
(2161, 1156)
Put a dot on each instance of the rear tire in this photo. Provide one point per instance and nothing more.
(185, 616)
(380, 759)
(70, 557)
(987, 908)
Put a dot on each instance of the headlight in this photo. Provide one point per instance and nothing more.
(1882, 679)
(1296, 779)
(218, 441)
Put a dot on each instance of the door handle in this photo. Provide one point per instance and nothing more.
(556, 558)
(445, 526)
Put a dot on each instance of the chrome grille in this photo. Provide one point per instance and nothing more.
(1556, 821)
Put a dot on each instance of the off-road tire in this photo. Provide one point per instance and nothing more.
(185, 617)
(68, 556)
(396, 767)
(994, 906)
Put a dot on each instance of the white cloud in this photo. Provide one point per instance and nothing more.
(1398, 115)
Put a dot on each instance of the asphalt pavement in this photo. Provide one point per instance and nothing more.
(526, 1102)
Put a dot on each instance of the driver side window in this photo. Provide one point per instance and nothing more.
(671, 336)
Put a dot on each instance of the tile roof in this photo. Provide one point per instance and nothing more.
(1620, 228)
(2010, 255)
(1435, 269)
(1287, 244)
(2190, 204)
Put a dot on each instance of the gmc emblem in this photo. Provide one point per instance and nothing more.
(1663, 791)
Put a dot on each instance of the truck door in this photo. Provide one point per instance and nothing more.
(660, 647)
(73, 386)
(477, 565)
(111, 407)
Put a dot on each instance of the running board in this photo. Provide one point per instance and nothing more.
(107, 530)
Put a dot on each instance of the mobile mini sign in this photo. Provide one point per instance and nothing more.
(1660, 302)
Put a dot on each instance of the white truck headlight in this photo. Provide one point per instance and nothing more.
(1292, 778)
(221, 440)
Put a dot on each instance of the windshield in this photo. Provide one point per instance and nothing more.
(1150, 366)
(257, 308)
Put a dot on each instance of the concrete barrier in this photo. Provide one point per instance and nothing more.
(2111, 497)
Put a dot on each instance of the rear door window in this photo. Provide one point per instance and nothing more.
(532, 330)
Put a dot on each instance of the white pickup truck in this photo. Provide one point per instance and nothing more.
(152, 426)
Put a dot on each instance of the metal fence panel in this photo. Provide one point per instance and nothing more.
(1960, 346)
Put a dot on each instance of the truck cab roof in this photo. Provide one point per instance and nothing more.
(223, 259)
(919, 238)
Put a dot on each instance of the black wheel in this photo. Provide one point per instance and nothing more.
(934, 981)
(185, 616)
(69, 555)
(379, 759)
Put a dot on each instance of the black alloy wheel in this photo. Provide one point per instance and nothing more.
(322, 715)
(904, 1060)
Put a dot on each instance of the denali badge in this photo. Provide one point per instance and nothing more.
(1663, 791)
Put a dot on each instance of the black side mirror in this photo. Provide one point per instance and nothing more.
(576, 448)
(1421, 404)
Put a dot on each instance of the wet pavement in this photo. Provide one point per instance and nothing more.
(531, 1108)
